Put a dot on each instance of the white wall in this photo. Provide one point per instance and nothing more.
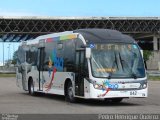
(152, 63)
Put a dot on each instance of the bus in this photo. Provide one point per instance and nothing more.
(84, 63)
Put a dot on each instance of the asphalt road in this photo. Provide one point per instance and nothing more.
(13, 100)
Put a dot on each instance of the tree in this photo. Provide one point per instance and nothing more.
(146, 56)
(15, 56)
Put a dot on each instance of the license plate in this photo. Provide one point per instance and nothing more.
(133, 92)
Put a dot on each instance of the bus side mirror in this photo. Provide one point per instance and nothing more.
(88, 53)
(141, 52)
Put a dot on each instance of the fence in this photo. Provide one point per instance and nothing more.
(5, 69)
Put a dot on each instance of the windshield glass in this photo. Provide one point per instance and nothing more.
(117, 61)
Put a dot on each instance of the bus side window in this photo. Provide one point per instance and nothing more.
(41, 58)
(30, 57)
(46, 66)
(69, 55)
(60, 46)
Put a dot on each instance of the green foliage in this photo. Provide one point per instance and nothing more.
(155, 78)
(147, 54)
(14, 57)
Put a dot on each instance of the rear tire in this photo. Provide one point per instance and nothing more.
(69, 93)
(31, 88)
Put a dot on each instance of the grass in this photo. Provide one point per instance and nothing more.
(154, 78)
(7, 75)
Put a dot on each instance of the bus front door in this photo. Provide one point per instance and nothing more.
(79, 81)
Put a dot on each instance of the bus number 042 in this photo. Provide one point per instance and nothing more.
(133, 93)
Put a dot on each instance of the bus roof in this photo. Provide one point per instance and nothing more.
(104, 36)
(91, 36)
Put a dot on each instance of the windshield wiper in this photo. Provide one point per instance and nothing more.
(114, 63)
(132, 73)
(121, 60)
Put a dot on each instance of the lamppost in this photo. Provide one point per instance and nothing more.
(9, 52)
(3, 53)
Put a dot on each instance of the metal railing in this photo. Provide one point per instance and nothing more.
(5, 69)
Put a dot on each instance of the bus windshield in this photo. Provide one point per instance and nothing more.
(117, 61)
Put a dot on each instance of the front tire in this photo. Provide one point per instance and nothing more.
(69, 93)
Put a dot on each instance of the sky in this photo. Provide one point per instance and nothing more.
(9, 49)
(79, 8)
(76, 8)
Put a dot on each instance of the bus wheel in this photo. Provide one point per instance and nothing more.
(31, 88)
(69, 93)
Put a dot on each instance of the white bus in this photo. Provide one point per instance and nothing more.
(85, 63)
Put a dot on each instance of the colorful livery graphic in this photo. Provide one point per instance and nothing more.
(85, 63)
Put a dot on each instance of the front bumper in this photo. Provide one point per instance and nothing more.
(91, 92)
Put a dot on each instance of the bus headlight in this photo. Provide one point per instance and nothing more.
(100, 87)
(96, 86)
